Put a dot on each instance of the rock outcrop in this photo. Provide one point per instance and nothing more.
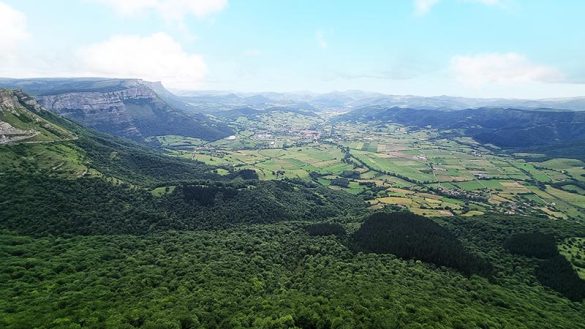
(132, 109)
(128, 108)
(117, 112)
(21, 120)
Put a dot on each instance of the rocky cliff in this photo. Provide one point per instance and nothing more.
(127, 108)
(115, 112)
(21, 119)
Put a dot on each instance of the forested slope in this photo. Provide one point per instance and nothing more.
(556, 133)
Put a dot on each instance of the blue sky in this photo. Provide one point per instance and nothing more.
(478, 48)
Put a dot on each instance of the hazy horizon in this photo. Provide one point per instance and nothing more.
(181, 92)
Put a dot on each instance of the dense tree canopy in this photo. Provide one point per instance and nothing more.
(44, 205)
(411, 236)
(257, 276)
(558, 274)
(555, 271)
(323, 229)
(533, 244)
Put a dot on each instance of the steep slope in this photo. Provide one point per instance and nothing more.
(21, 120)
(87, 182)
(561, 132)
(134, 109)
(37, 141)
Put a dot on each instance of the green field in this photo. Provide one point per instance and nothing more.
(391, 157)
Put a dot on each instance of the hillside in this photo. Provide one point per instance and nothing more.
(133, 109)
(21, 120)
(48, 144)
(558, 133)
(72, 175)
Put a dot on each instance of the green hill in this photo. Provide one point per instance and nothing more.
(83, 181)
(552, 132)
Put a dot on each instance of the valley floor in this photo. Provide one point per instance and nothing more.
(427, 172)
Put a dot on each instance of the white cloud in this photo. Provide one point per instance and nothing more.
(421, 7)
(174, 10)
(156, 58)
(13, 28)
(501, 68)
(320, 36)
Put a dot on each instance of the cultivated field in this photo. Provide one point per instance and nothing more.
(390, 165)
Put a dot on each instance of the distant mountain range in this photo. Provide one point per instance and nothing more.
(129, 108)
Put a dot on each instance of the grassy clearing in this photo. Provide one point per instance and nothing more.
(574, 250)
(160, 191)
(562, 164)
(572, 198)
(58, 158)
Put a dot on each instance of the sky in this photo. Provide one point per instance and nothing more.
(471, 48)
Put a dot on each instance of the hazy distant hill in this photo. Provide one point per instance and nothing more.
(354, 99)
(254, 114)
(133, 109)
(560, 133)
(462, 103)
(218, 101)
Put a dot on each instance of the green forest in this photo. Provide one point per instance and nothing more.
(270, 276)
(86, 253)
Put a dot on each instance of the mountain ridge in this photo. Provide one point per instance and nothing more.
(509, 128)
(353, 99)
(129, 108)
(21, 120)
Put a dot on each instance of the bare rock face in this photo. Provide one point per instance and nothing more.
(131, 109)
(20, 119)
(116, 112)
(9, 134)
(8, 100)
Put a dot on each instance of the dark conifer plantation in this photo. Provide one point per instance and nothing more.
(410, 236)
(534, 244)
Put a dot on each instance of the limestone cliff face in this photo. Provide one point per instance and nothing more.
(114, 112)
(21, 120)
(8, 133)
(7, 100)
(11, 100)
(133, 110)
